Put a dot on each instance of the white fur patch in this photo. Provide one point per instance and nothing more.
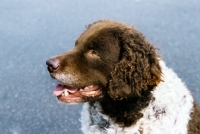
(169, 113)
(66, 79)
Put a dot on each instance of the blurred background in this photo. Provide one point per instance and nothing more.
(31, 31)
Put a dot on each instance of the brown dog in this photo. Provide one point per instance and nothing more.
(128, 86)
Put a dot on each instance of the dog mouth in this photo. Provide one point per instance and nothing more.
(68, 94)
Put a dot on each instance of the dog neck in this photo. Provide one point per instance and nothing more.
(125, 112)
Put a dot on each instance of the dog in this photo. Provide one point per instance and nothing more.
(124, 84)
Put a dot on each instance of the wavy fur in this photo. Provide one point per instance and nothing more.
(127, 87)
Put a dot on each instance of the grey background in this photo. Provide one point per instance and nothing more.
(31, 31)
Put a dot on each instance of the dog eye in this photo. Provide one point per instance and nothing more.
(94, 53)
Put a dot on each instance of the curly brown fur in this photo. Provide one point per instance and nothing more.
(133, 77)
(126, 112)
(138, 68)
(194, 123)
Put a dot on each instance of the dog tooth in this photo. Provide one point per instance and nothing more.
(66, 93)
(91, 86)
(86, 88)
(92, 92)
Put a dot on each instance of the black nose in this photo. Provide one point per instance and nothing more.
(52, 65)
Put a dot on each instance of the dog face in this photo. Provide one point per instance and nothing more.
(84, 71)
(110, 59)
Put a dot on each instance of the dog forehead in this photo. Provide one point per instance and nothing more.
(91, 34)
(100, 29)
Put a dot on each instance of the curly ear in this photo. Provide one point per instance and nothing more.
(138, 69)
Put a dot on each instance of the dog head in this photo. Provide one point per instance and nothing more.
(109, 59)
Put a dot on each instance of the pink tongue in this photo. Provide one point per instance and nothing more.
(59, 89)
